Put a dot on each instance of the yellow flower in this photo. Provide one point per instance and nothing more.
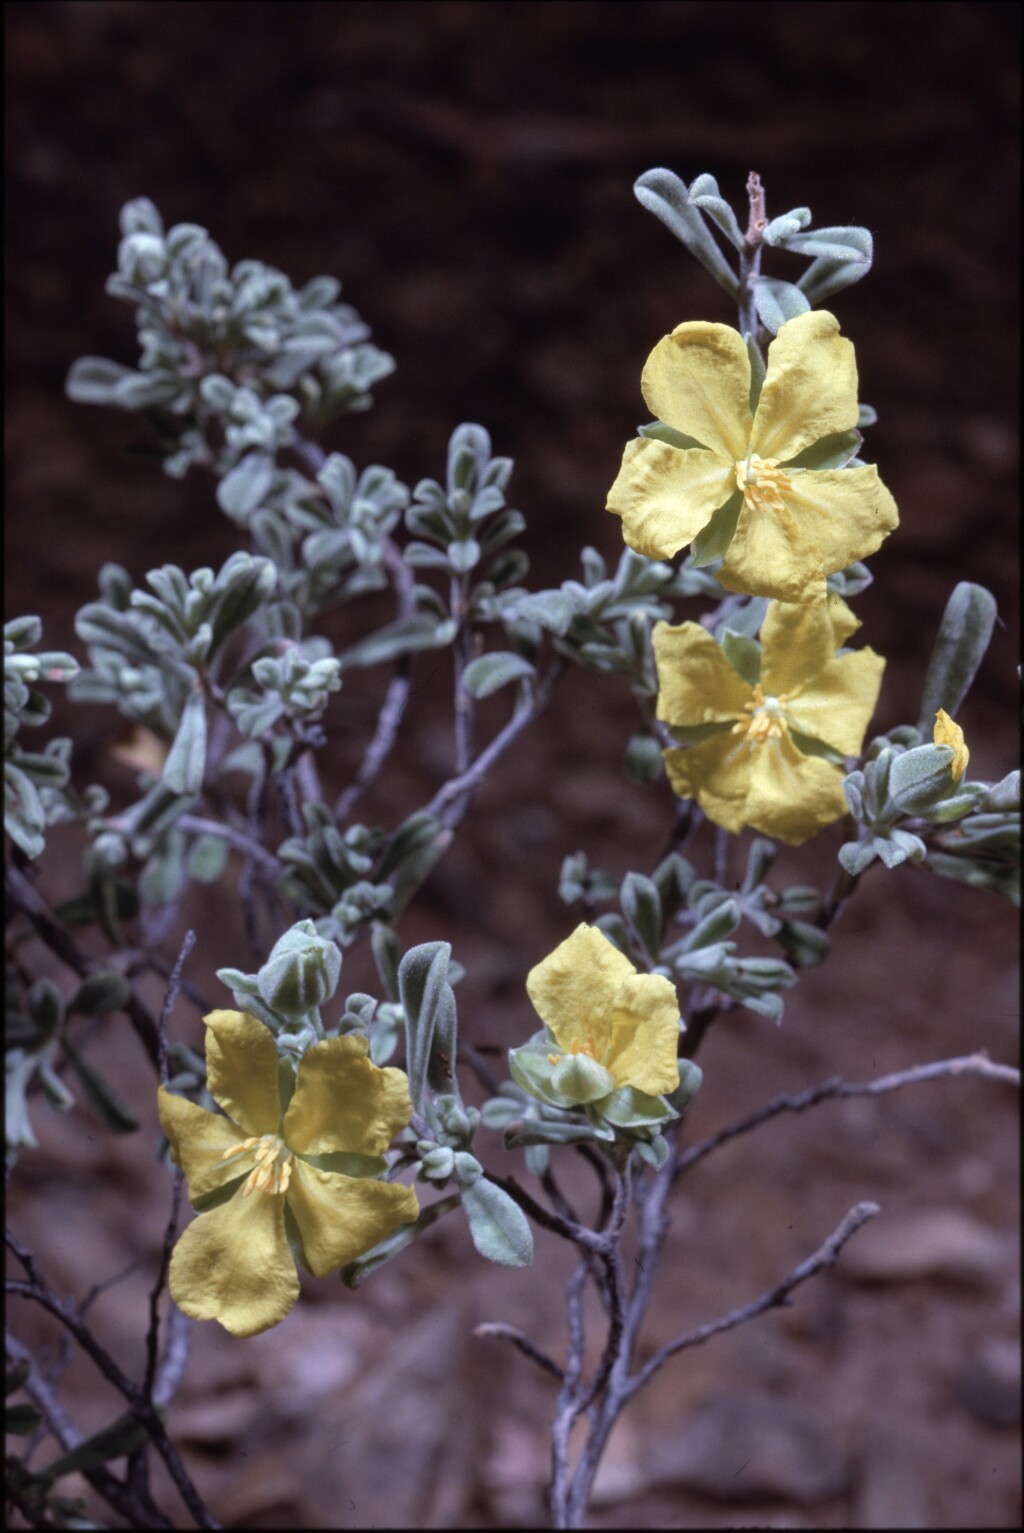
(740, 484)
(278, 1176)
(768, 749)
(595, 1004)
(948, 733)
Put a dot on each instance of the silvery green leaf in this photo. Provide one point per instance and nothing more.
(498, 1227)
(244, 488)
(719, 924)
(657, 431)
(666, 196)
(780, 230)
(743, 654)
(403, 637)
(806, 945)
(630, 1109)
(777, 301)
(94, 380)
(123, 1437)
(553, 610)
(207, 859)
(767, 1005)
(428, 1003)
(1005, 794)
(745, 618)
(712, 542)
(833, 451)
(535, 1131)
(867, 415)
(642, 761)
(758, 371)
(356, 1273)
(139, 216)
(705, 195)
(490, 672)
(847, 243)
(641, 904)
(963, 638)
(99, 993)
(186, 759)
(855, 856)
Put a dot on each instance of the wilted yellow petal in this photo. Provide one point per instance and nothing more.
(344, 1102)
(234, 1265)
(696, 683)
(199, 1141)
(666, 495)
(340, 1217)
(947, 732)
(241, 1070)
(836, 705)
(572, 989)
(645, 1034)
(810, 390)
(698, 380)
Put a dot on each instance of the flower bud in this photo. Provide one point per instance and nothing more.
(921, 778)
(581, 1079)
(301, 973)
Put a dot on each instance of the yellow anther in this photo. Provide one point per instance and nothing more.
(763, 483)
(272, 1171)
(767, 719)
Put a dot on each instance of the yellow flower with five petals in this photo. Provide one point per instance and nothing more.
(742, 480)
(596, 1005)
(281, 1173)
(767, 750)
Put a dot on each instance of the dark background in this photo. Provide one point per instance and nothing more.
(466, 169)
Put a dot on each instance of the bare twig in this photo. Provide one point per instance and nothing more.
(239, 839)
(173, 990)
(384, 736)
(451, 801)
(824, 1256)
(525, 1345)
(967, 1064)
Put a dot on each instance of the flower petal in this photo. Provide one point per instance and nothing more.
(799, 641)
(198, 1140)
(948, 732)
(836, 706)
(810, 390)
(241, 1070)
(645, 1034)
(717, 774)
(343, 1102)
(667, 495)
(573, 989)
(772, 555)
(698, 380)
(696, 683)
(792, 795)
(846, 513)
(340, 1217)
(234, 1265)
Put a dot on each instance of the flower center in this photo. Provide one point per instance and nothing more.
(273, 1169)
(576, 1047)
(763, 483)
(766, 721)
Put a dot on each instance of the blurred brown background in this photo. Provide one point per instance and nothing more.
(466, 169)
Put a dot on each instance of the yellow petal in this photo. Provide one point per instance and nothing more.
(234, 1265)
(791, 795)
(573, 988)
(947, 732)
(645, 1034)
(340, 1217)
(810, 389)
(343, 1102)
(696, 683)
(772, 554)
(796, 643)
(241, 1070)
(698, 380)
(199, 1140)
(837, 704)
(666, 495)
(844, 513)
(717, 774)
